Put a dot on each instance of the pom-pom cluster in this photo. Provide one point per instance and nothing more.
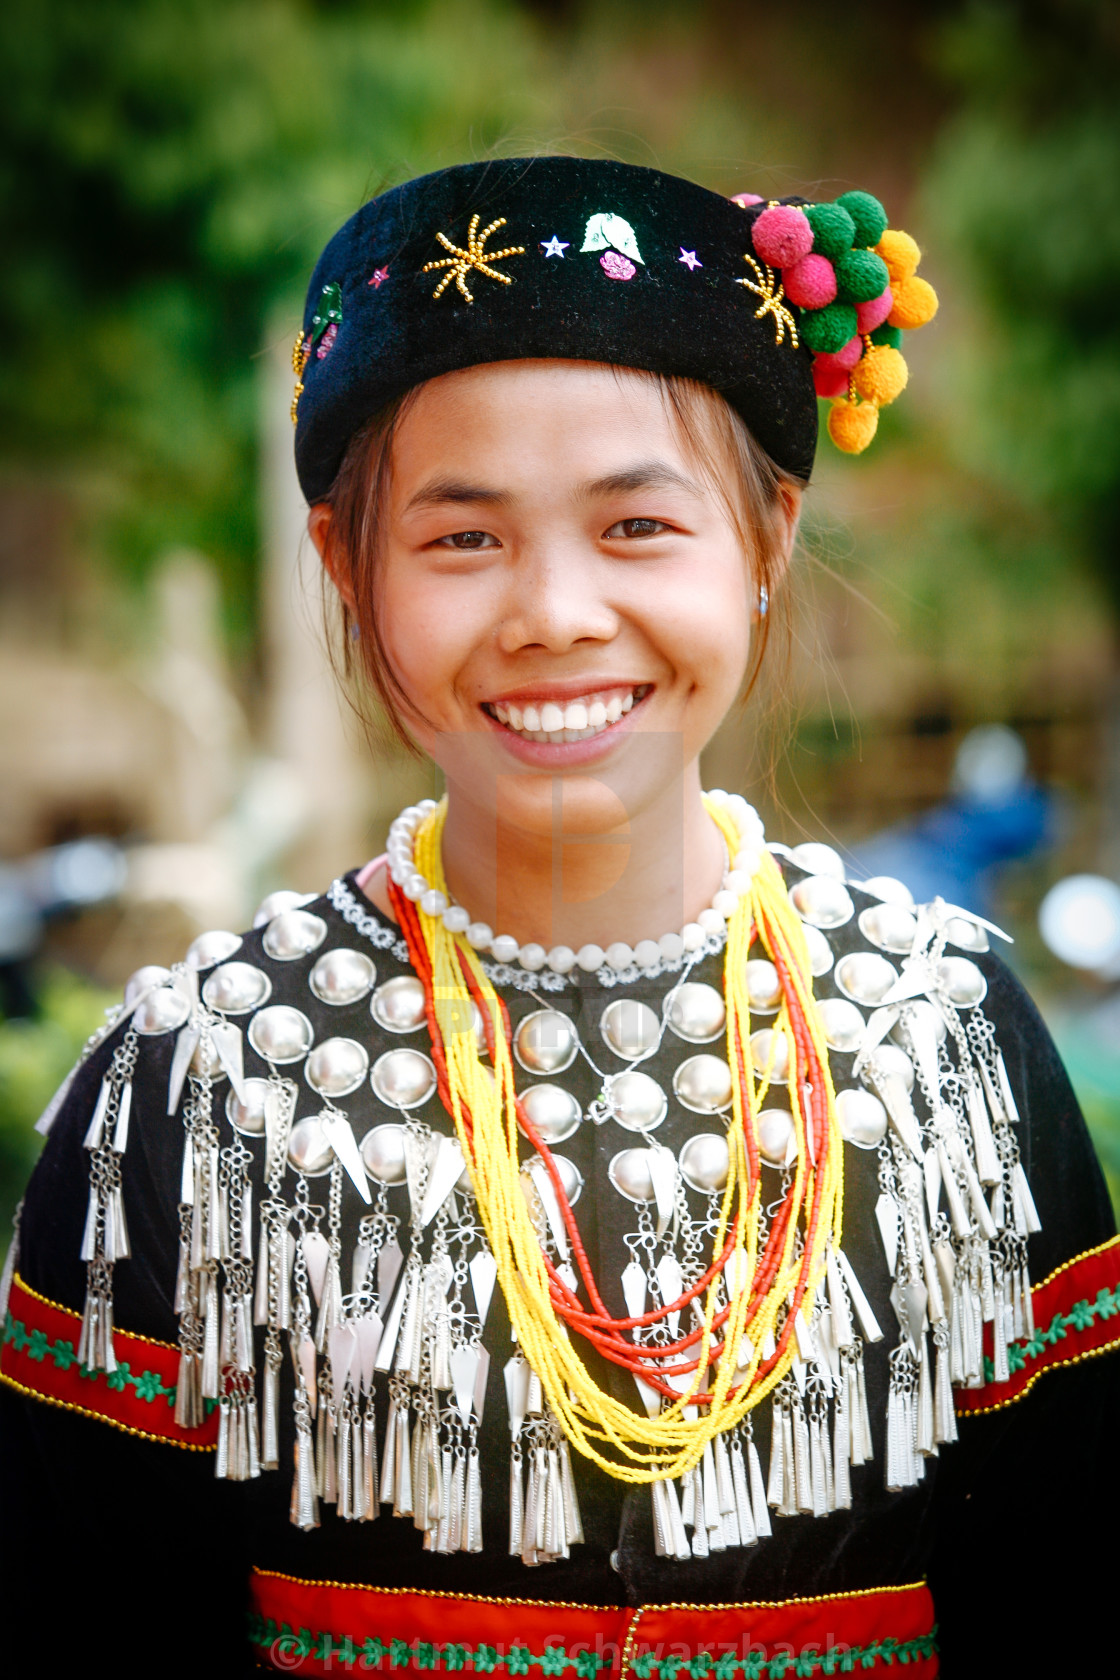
(855, 284)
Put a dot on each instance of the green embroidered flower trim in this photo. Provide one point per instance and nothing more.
(288, 1645)
(149, 1385)
(1081, 1316)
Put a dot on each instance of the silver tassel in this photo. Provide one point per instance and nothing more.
(759, 1503)
(925, 1442)
(270, 1408)
(842, 1447)
(748, 1534)
(516, 1502)
(944, 1414)
(803, 1477)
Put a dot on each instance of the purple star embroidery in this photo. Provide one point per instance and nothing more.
(690, 259)
(379, 274)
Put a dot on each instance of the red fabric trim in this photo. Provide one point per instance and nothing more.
(804, 1626)
(32, 1367)
(1080, 1280)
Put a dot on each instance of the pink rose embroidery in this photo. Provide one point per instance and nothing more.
(618, 267)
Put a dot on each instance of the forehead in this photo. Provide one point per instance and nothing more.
(521, 419)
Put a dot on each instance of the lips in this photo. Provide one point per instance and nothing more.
(552, 722)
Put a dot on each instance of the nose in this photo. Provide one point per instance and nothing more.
(555, 600)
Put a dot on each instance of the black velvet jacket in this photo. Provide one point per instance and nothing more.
(131, 1548)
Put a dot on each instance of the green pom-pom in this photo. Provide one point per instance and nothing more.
(868, 215)
(860, 276)
(828, 329)
(834, 231)
(888, 335)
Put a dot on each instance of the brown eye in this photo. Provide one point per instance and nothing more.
(637, 528)
(469, 540)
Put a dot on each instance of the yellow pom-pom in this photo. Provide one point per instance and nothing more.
(851, 426)
(900, 253)
(881, 374)
(915, 303)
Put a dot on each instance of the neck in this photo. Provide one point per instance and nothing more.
(647, 875)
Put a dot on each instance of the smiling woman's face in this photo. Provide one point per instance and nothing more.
(561, 593)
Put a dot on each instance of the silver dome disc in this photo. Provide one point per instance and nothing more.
(865, 977)
(823, 901)
(211, 948)
(961, 982)
(776, 1136)
(820, 951)
(862, 1117)
(818, 859)
(890, 1062)
(403, 1078)
(545, 1042)
(919, 1010)
(143, 981)
(629, 1028)
(704, 1162)
(765, 1043)
(696, 1012)
(292, 934)
(889, 889)
(248, 1116)
(281, 1034)
(764, 989)
(164, 1010)
(555, 1114)
(636, 1101)
(308, 1150)
(569, 1174)
(383, 1153)
(235, 988)
(842, 1024)
(889, 926)
(629, 1172)
(398, 1005)
(970, 936)
(703, 1084)
(342, 976)
(336, 1067)
(277, 902)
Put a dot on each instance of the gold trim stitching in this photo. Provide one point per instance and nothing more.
(1056, 1365)
(567, 1604)
(1066, 1264)
(100, 1417)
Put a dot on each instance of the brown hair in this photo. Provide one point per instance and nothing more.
(725, 452)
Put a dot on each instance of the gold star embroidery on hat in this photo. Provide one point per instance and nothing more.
(460, 262)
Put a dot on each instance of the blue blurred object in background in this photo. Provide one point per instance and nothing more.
(995, 813)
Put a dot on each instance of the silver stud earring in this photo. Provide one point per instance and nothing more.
(763, 600)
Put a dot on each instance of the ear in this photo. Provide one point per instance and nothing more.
(788, 520)
(319, 521)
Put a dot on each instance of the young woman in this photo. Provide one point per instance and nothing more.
(590, 1236)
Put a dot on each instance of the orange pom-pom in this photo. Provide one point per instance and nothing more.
(881, 375)
(915, 303)
(851, 426)
(900, 253)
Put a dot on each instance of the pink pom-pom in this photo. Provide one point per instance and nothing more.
(844, 359)
(829, 380)
(810, 282)
(872, 314)
(782, 235)
(744, 200)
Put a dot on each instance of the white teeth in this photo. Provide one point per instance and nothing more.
(553, 723)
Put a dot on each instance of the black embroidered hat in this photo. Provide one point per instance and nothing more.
(587, 260)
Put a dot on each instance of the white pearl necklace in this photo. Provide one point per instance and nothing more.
(646, 954)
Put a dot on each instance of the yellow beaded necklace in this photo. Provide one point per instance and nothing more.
(761, 1303)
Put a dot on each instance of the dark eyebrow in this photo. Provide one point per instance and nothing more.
(644, 475)
(441, 491)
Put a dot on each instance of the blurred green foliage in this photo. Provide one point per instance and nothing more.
(35, 1057)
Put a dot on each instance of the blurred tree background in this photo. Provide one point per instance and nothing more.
(169, 170)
